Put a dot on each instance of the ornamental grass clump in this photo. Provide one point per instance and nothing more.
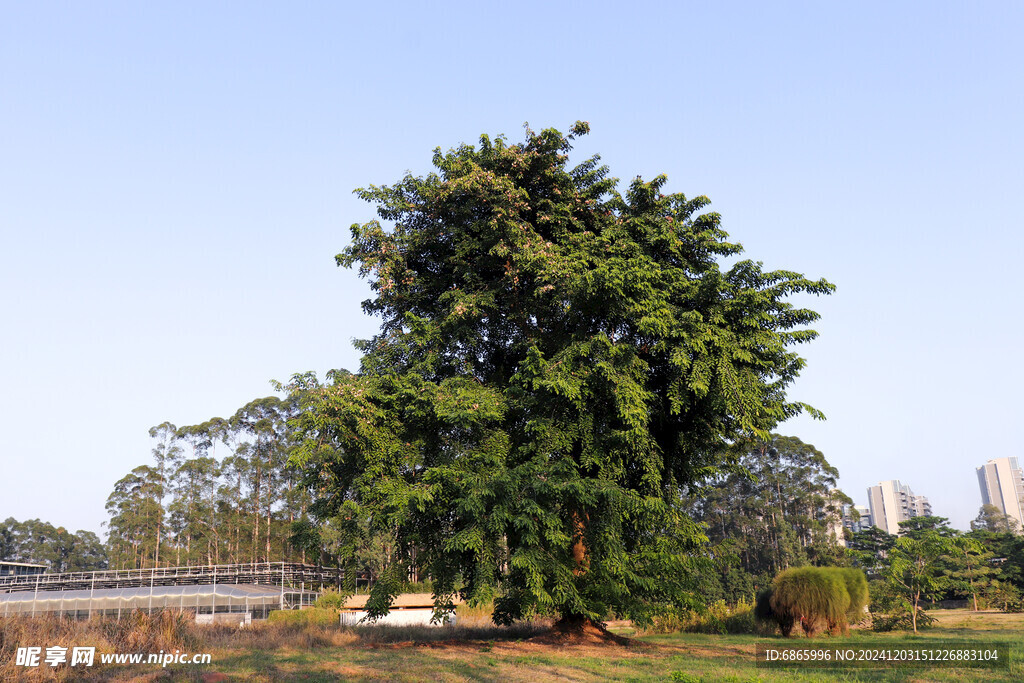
(815, 597)
(857, 587)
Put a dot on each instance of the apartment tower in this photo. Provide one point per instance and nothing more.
(1002, 485)
(892, 503)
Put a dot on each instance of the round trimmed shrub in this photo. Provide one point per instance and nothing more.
(815, 597)
(857, 588)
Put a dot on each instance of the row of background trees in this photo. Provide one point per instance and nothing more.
(220, 492)
(776, 508)
(191, 507)
(36, 542)
(930, 562)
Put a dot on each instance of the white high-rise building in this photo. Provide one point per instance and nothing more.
(892, 503)
(1002, 485)
(863, 521)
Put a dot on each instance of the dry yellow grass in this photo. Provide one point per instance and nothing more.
(477, 651)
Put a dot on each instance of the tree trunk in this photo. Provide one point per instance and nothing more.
(974, 593)
(579, 548)
(269, 500)
(577, 627)
(256, 513)
(913, 615)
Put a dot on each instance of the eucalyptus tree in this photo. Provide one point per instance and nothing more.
(191, 510)
(295, 501)
(264, 422)
(991, 518)
(557, 364)
(201, 438)
(231, 502)
(167, 455)
(9, 539)
(224, 505)
(136, 517)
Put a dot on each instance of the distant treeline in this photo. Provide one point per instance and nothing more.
(779, 508)
(220, 492)
(37, 542)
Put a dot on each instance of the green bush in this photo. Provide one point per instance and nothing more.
(299, 618)
(1004, 596)
(899, 621)
(814, 597)
(857, 588)
(741, 620)
(892, 611)
(716, 618)
(331, 599)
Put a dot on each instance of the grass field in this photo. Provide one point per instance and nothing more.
(478, 654)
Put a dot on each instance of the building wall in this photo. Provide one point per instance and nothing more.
(861, 524)
(1002, 485)
(892, 502)
(21, 569)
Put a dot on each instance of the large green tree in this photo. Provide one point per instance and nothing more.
(557, 364)
(869, 548)
(991, 518)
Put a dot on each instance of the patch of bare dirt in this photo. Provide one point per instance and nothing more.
(575, 632)
(591, 643)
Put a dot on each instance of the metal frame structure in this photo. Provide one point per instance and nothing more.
(263, 573)
(257, 601)
(253, 587)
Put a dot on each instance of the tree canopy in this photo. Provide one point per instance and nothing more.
(991, 518)
(557, 363)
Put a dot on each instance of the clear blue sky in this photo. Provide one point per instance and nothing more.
(175, 181)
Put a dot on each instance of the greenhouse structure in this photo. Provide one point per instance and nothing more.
(250, 590)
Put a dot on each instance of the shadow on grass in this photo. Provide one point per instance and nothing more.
(482, 630)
